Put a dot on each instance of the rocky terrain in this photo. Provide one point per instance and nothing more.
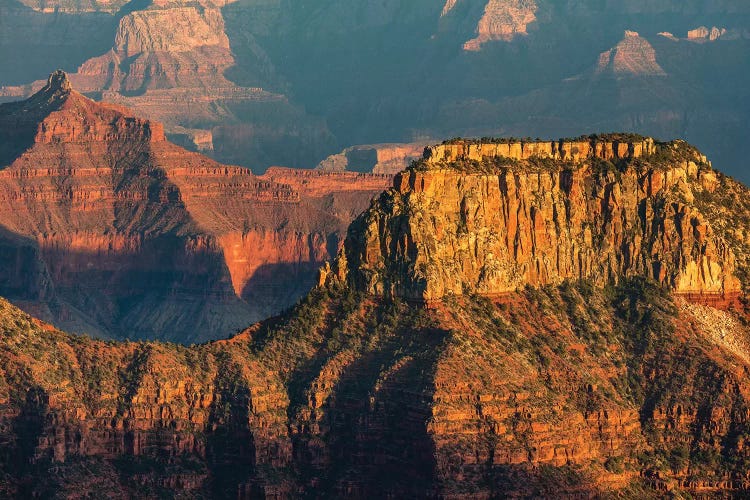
(263, 83)
(502, 20)
(450, 351)
(111, 230)
(632, 56)
(168, 61)
(539, 68)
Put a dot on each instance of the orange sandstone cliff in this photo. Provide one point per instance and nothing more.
(515, 214)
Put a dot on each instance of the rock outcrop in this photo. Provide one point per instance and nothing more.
(704, 34)
(449, 4)
(165, 46)
(492, 218)
(559, 391)
(126, 234)
(502, 20)
(633, 56)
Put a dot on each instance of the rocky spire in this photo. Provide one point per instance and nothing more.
(20, 121)
(58, 82)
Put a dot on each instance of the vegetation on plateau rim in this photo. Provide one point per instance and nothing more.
(621, 137)
(665, 155)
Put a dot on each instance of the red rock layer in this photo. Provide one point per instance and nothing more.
(582, 385)
(132, 235)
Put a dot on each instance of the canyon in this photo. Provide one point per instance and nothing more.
(511, 318)
(262, 83)
(186, 313)
(168, 61)
(111, 230)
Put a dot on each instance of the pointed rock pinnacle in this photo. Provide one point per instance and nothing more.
(58, 81)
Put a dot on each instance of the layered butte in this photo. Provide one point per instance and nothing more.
(501, 20)
(580, 343)
(492, 218)
(109, 229)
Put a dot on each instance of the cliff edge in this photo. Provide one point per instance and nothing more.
(491, 217)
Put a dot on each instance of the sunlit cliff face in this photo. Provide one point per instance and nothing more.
(492, 218)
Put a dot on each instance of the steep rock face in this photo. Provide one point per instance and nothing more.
(558, 388)
(126, 234)
(575, 150)
(512, 215)
(162, 48)
(169, 396)
(502, 20)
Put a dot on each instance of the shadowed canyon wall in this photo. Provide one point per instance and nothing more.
(260, 83)
(128, 235)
